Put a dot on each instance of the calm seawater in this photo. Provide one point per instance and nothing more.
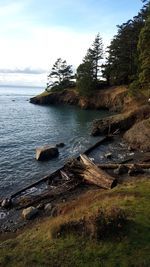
(25, 126)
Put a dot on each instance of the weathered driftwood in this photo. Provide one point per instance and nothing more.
(116, 165)
(94, 175)
(27, 201)
(64, 175)
(49, 177)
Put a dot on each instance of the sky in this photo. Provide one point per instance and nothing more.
(34, 33)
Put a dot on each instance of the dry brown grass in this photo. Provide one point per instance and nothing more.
(139, 135)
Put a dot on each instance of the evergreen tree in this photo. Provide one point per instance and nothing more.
(85, 81)
(60, 74)
(88, 72)
(144, 53)
(94, 55)
(122, 63)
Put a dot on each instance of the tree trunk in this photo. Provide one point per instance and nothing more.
(94, 175)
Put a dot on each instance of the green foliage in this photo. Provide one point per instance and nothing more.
(122, 64)
(88, 72)
(85, 81)
(144, 53)
(60, 75)
(94, 55)
(134, 88)
(102, 225)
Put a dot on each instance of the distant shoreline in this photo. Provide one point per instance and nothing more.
(23, 86)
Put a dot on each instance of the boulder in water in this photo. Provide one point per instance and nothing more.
(46, 153)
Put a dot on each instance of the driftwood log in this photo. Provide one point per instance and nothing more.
(94, 175)
(27, 201)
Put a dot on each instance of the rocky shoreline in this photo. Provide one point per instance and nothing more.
(21, 215)
(133, 118)
(131, 130)
(110, 98)
(134, 125)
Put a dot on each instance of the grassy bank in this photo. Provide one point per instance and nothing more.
(45, 244)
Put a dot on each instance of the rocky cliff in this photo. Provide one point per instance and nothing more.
(111, 99)
(53, 98)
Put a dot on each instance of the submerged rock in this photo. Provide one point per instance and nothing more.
(46, 153)
(60, 145)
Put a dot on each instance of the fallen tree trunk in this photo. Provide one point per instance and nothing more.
(94, 175)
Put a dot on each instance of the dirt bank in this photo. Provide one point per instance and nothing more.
(139, 135)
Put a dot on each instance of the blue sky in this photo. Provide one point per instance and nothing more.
(34, 33)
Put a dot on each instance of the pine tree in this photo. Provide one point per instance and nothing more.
(144, 53)
(60, 74)
(88, 72)
(94, 55)
(84, 76)
(122, 64)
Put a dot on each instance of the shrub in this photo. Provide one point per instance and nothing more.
(104, 224)
(134, 88)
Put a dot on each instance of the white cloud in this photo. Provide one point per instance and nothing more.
(23, 79)
(10, 8)
(25, 44)
(43, 46)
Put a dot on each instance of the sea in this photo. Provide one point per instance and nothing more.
(25, 126)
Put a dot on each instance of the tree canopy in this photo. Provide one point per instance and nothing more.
(144, 54)
(60, 75)
(88, 72)
(122, 63)
(127, 61)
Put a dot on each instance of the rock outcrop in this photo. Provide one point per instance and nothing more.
(121, 122)
(112, 98)
(46, 153)
(53, 98)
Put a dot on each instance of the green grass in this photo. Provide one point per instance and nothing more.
(36, 247)
(44, 93)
